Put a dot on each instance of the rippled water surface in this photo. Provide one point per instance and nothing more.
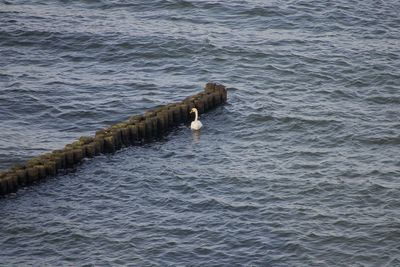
(300, 168)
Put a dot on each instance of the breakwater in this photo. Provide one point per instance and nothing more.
(138, 129)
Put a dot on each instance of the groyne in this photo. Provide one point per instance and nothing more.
(137, 130)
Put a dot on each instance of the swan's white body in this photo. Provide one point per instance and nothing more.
(196, 124)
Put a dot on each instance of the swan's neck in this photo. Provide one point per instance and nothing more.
(196, 115)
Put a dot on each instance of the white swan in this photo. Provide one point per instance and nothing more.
(196, 124)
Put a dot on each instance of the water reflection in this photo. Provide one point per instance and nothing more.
(196, 136)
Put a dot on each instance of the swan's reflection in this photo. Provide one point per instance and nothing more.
(196, 136)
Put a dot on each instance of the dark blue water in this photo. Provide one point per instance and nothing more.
(300, 168)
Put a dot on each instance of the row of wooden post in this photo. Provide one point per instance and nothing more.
(134, 131)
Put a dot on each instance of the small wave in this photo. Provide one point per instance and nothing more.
(384, 140)
(214, 204)
(262, 12)
(259, 118)
(301, 121)
(25, 35)
(382, 100)
(73, 114)
(177, 4)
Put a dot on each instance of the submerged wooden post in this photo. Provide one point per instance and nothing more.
(136, 130)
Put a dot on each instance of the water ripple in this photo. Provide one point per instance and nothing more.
(299, 168)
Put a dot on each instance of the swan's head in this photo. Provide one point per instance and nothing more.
(193, 110)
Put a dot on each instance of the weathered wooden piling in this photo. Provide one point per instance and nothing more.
(32, 174)
(22, 176)
(109, 144)
(134, 133)
(136, 130)
(3, 184)
(142, 130)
